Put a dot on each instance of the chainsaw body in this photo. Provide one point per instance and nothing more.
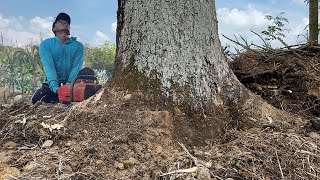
(78, 90)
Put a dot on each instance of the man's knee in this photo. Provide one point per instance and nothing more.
(44, 94)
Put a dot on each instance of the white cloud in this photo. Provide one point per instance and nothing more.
(298, 33)
(21, 38)
(100, 38)
(241, 21)
(300, 27)
(4, 22)
(241, 18)
(21, 31)
(42, 23)
(299, 1)
(114, 27)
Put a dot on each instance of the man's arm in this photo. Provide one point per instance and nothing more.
(49, 67)
(77, 63)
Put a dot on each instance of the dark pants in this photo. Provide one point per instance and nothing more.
(46, 95)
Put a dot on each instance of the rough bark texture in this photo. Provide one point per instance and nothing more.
(171, 47)
(313, 22)
(170, 51)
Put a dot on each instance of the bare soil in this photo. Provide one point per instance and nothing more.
(123, 137)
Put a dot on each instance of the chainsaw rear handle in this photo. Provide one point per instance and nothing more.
(85, 77)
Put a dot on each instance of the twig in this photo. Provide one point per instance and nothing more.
(279, 166)
(265, 43)
(237, 42)
(189, 170)
(291, 46)
(188, 153)
(265, 49)
(197, 162)
(316, 47)
(285, 44)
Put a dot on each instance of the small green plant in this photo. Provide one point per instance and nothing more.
(276, 30)
(237, 162)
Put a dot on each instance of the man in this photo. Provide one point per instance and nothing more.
(62, 58)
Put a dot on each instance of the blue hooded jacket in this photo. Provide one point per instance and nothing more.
(61, 61)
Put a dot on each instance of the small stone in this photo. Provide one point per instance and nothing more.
(75, 164)
(158, 149)
(203, 173)
(30, 166)
(99, 161)
(120, 166)
(314, 135)
(125, 147)
(85, 131)
(55, 147)
(69, 143)
(147, 156)
(10, 145)
(17, 98)
(127, 97)
(178, 112)
(67, 168)
(9, 173)
(138, 148)
(130, 162)
(67, 151)
(291, 131)
(218, 166)
(47, 143)
(4, 157)
(219, 155)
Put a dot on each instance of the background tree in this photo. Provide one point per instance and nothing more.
(313, 21)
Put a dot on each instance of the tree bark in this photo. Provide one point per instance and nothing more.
(173, 47)
(313, 22)
(170, 51)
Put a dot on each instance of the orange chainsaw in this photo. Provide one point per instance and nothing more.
(81, 88)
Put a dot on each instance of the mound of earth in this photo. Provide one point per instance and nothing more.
(124, 137)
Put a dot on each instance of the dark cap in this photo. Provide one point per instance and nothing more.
(62, 16)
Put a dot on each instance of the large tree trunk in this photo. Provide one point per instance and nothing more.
(172, 47)
(313, 22)
(170, 51)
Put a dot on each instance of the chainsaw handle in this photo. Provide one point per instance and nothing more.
(80, 77)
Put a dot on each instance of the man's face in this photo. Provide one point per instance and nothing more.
(61, 30)
(62, 35)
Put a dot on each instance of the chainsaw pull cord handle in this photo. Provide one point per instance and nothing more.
(86, 77)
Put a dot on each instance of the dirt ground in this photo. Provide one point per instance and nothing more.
(123, 138)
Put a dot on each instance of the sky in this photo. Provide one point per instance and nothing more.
(94, 21)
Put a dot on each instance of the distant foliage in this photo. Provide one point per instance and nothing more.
(101, 59)
(20, 68)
